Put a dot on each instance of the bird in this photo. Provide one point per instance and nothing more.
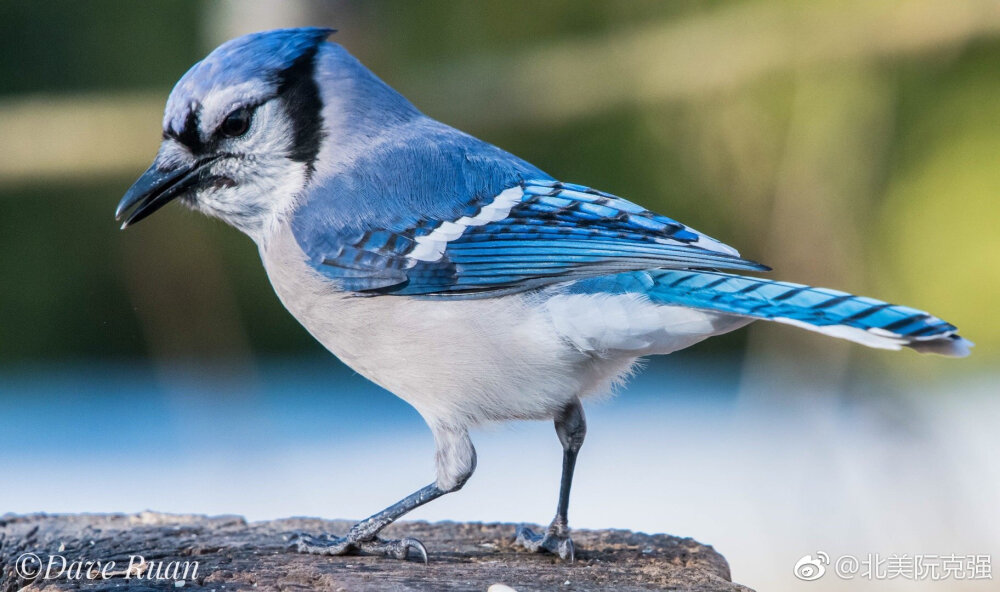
(461, 278)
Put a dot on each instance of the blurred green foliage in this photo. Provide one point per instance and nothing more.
(61, 45)
(941, 206)
(877, 175)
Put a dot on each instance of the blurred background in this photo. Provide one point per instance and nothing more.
(853, 144)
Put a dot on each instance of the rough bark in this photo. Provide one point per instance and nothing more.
(232, 554)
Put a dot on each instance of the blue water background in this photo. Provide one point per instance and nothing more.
(766, 474)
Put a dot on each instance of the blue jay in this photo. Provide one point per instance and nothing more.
(459, 277)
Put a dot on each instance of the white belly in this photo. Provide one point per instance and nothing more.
(458, 362)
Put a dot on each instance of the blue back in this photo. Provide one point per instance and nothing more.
(428, 173)
(360, 227)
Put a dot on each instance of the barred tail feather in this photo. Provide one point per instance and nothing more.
(857, 318)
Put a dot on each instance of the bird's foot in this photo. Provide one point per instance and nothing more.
(555, 540)
(326, 544)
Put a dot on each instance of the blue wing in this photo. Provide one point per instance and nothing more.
(471, 220)
(533, 234)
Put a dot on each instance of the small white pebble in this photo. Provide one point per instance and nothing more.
(500, 588)
(566, 583)
(62, 547)
(179, 584)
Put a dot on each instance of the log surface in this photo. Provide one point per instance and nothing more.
(232, 554)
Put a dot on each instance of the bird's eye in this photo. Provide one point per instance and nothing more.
(237, 123)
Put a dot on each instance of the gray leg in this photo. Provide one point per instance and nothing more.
(571, 427)
(456, 460)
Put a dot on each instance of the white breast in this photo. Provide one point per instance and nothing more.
(457, 362)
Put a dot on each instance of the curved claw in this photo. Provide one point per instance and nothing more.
(415, 544)
(550, 542)
(412, 543)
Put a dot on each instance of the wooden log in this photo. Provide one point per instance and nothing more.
(153, 551)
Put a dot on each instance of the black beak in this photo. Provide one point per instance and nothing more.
(156, 188)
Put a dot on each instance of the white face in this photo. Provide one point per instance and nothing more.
(248, 179)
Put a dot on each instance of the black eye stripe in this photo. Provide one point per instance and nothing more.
(188, 135)
(235, 124)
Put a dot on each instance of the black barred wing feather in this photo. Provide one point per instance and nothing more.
(533, 234)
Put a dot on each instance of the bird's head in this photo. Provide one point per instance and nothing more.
(241, 131)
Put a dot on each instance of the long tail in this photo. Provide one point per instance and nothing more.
(864, 320)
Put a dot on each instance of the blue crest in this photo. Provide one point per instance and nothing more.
(263, 56)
